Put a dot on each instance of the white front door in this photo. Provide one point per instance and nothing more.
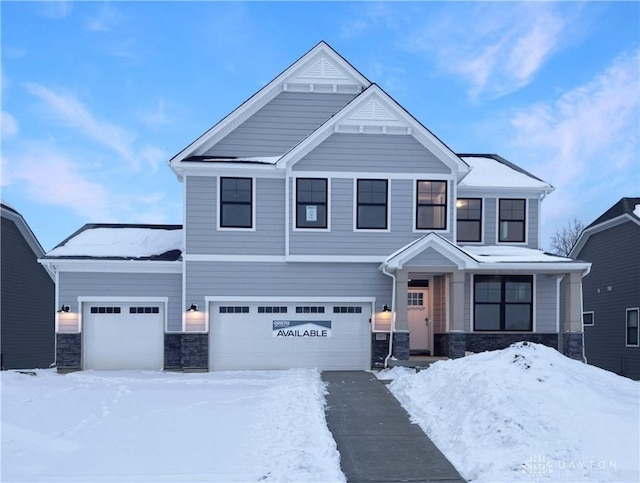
(420, 325)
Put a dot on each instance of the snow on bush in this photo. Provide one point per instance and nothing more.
(527, 413)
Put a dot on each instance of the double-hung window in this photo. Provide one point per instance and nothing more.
(431, 205)
(512, 220)
(469, 219)
(236, 203)
(311, 203)
(633, 336)
(503, 302)
(372, 204)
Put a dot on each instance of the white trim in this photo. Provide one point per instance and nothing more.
(294, 225)
(336, 258)
(369, 175)
(534, 302)
(183, 288)
(449, 217)
(447, 308)
(355, 205)
(235, 258)
(219, 204)
(526, 222)
(626, 326)
(90, 299)
(110, 266)
(558, 284)
(285, 299)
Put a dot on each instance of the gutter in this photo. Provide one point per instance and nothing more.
(392, 328)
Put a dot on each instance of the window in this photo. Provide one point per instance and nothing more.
(503, 302)
(105, 310)
(372, 204)
(236, 196)
(512, 220)
(431, 205)
(272, 310)
(311, 200)
(632, 328)
(587, 318)
(144, 310)
(347, 310)
(234, 309)
(310, 310)
(415, 299)
(469, 219)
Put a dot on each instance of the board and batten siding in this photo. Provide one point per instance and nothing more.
(106, 284)
(282, 280)
(281, 124)
(377, 153)
(202, 235)
(439, 309)
(343, 240)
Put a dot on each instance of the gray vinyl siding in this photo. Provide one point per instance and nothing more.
(546, 303)
(201, 220)
(264, 279)
(615, 263)
(343, 240)
(431, 258)
(372, 153)
(27, 317)
(281, 124)
(106, 284)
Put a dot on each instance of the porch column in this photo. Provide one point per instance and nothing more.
(402, 311)
(456, 291)
(572, 342)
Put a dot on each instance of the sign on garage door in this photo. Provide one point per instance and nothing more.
(123, 336)
(286, 335)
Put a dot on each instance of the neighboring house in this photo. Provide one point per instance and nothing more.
(27, 302)
(324, 226)
(612, 288)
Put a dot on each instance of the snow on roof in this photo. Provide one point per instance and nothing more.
(506, 254)
(125, 242)
(636, 211)
(488, 172)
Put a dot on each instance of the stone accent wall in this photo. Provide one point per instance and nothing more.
(68, 352)
(173, 352)
(455, 344)
(186, 352)
(572, 345)
(401, 345)
(379, 349)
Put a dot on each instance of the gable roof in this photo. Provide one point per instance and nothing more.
(321, 68)
(490, 171)
(627, 209)
(374, 111)
(121, 242)
(12, 214)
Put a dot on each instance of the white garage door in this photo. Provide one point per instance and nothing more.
(123, 336)
(287, 335)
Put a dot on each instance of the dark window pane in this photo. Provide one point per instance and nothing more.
(632, 327)
(372, 204)
(512, 220)
(488, 291)
(374, 217)
(517, 292)
(312, 216)
(517, 317)
(238, 216)
(311, 210)
(487, 317)
(469, 231)
(431, 217)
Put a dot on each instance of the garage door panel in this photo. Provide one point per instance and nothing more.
(246, 340)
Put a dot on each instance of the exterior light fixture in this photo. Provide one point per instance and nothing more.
(386, 308)
(193, 308)
(64, 309)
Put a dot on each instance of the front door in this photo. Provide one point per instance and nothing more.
(420, 327)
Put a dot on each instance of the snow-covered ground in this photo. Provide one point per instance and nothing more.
(526, 413)
(134, 426)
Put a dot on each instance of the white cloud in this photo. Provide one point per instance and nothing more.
(156, 116)
(72, 112)
(8, 125)
(586, 143)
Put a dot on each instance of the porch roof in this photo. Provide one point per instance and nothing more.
(483, 258)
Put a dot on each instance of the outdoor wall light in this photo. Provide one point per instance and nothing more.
(64, 309)
(193, 308)
(386, 308)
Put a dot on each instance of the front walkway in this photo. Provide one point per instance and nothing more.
(376, 440)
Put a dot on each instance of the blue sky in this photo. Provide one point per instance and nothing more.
(97, 97)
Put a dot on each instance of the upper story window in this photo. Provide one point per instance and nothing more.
(469, 219)
(372, 204)
(431, 205)
(236, 203)
(311, 203)
(503, 303)
(511, 214)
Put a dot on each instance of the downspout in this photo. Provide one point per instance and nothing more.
(392, 327)
(584, 354)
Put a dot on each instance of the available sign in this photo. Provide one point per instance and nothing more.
(302, 328)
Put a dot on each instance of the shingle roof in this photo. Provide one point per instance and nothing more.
(625, 205)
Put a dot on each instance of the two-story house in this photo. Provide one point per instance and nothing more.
(324, 226)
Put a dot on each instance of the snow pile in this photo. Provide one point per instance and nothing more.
(135, 426)
(527, 413)
(120, 242)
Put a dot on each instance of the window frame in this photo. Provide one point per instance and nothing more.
(479, 221)
(503, 302)
(626, 327)
(252, 204)
(356, 206)
(417, 205)
(593, 318)
(327, 225)
(500, 220)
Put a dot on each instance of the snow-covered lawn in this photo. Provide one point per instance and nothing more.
(134, 426)
(526, 413)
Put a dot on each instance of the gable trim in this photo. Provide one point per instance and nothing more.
(605, 225)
